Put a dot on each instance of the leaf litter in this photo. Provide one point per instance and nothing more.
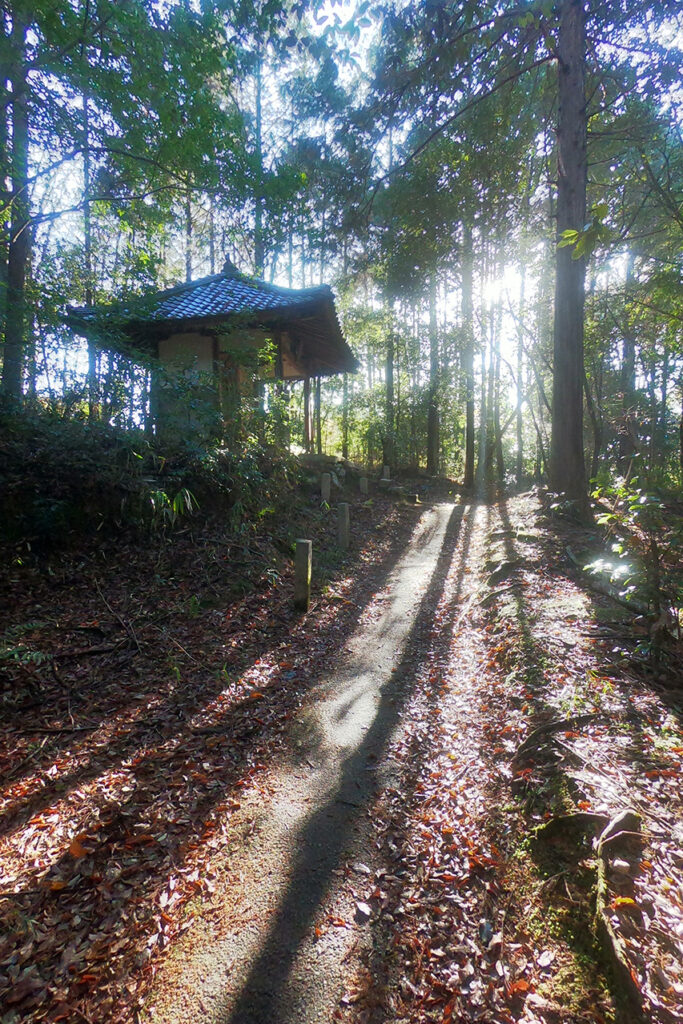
(475, 902)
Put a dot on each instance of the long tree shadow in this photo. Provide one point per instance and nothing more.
(326, 835)
(164, 796)
(152, 714)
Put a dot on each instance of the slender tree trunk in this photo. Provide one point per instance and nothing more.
(307, 414)
(345, 417)
(259, 244)
(212, 236)
(88, 259)
(662, 427)
(188, 234)
(389, 451)
(5, 194)
(483, 415)
(468, 350)
(628, 363)
(433, 409)
(19, 251)
(567, 467)
(318, 416)
(290, 256)
(519, 466)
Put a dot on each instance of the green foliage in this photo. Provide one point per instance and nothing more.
(595, 233)
(64, 480)
(647, 530)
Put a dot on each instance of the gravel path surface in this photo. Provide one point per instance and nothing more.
(285, 922)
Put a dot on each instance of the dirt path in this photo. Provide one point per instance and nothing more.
(386, 870)
(277, 943)
(351, 816)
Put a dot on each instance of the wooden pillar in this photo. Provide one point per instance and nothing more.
(303, 562)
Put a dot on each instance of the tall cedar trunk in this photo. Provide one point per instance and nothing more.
(87, 254)
(318, 417)
(4, 176)
(662, 429)
(389, 452)
(652, 393)
(499, 430)
(433, 411)
(468, 351)
(188, 234)
(307, 413)
(19, 251)
(259, 245)
(628, 364)
(567, 468)
(482, 453)
(212, 236)
(519, 460)
(345, 418)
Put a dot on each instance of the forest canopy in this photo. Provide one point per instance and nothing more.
(494, 191)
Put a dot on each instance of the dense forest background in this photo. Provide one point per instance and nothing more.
(428, 160)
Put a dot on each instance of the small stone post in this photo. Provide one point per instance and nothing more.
(343, 525)
(303, 562)
(386, 473)
(325, 486)
(363, 485)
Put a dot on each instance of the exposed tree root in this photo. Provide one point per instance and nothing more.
(613, 945)
(587, 821)
(538, 735)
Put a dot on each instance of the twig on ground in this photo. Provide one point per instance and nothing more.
(126, 626)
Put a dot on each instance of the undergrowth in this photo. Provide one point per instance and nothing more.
(64, 480)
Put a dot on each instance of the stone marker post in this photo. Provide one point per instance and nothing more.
(303, 562)
(343, 525)
(386, 473)
(325, 486)
(363, 485)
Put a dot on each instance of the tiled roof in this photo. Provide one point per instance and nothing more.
(228, 294)
(220, 294)
(308, 314)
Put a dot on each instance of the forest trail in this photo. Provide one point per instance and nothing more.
(385, 870)
(287, 906)
(380, 812)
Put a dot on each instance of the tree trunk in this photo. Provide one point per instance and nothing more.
(433, 410)
(567, 467)
(5, 194)
(468, 351)
(519, 461)
(307, 414)
(318, 417)
(188, 234)
(259, 244)
(388, 447)
(19, 251)
(212, 236)
(345, 418)
(87, 255)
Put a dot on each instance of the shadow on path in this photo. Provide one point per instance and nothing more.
(268, 994)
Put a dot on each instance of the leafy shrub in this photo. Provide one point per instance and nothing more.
(647, 529)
